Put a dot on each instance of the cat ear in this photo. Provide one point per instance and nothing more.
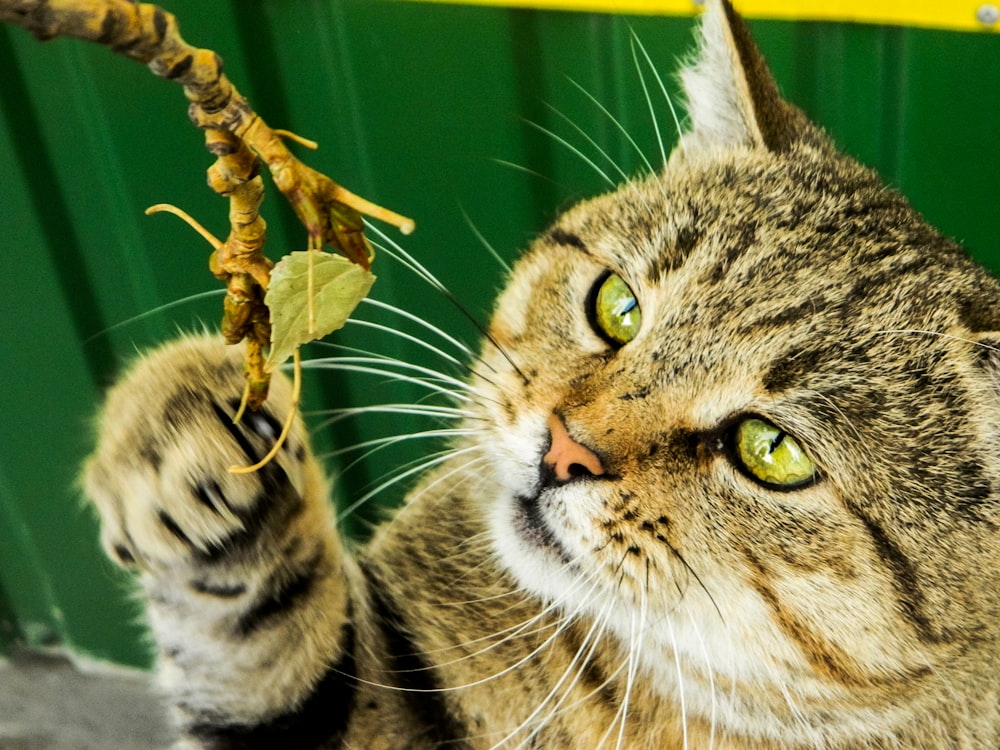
(731, 95)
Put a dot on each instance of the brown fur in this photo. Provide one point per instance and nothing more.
(659, 596)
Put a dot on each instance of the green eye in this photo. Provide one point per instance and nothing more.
(616, 314)
(771, 455)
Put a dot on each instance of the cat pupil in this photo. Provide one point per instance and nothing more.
(625, 307)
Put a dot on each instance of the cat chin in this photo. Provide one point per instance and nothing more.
(687, 651)
(531, 526)
(540, 566)
(530, 552)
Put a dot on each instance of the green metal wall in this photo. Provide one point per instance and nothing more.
(416, 106)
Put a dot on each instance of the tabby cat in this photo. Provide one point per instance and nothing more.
(731, 480)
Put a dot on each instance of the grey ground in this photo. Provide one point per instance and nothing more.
(48, 704)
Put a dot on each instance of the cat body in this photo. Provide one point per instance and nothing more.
(728, 479)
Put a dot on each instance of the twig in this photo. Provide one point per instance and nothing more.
(239, 139)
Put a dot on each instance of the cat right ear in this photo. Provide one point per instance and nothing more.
(732, 98)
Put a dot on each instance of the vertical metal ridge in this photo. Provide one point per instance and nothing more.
(51, 206)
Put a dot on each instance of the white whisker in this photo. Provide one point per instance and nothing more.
(420, 321)
(796, 712)
(485, 243)
(597, 147)
(522, 628)
(663, 89)
(532, 173)
(617, 123)
(435, 459)
(394, 250)
(406, 337)
(680, 679)
(589, 643)
(381, 443)
(429, 384)
(158, 309)
(711, 676)
(573, 150)
(649, 102)
(403, 409)
(560, 625)
(631, 665)
(379, 359)
(527, 627)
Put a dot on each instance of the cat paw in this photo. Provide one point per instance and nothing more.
(160, 476)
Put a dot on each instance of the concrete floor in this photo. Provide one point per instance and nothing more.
(48, 704)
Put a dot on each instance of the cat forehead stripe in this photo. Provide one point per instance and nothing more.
(559, 236)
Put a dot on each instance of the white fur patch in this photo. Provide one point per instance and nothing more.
(714, 90)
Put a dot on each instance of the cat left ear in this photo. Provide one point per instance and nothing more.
(732, 97)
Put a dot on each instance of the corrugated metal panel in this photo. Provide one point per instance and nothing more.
(414, 106)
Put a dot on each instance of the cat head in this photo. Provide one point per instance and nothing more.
(746, 414)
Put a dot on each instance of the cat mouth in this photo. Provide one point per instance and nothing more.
(531, 526)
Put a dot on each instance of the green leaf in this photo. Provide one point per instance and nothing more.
(338, 285)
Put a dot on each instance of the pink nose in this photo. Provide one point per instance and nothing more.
(567, 457)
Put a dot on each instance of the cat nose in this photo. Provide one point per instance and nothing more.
(568, 458)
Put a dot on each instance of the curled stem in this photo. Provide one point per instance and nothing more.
(288, 135)
(197, 226)
(286, 428)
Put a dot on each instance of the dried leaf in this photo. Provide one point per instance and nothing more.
(338, 285)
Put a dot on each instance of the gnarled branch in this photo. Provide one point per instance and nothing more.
(240, 140)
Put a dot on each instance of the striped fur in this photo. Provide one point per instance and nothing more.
(647, 593)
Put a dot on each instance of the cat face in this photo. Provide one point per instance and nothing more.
(775, 381)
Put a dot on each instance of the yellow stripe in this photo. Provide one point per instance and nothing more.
(964, 15)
